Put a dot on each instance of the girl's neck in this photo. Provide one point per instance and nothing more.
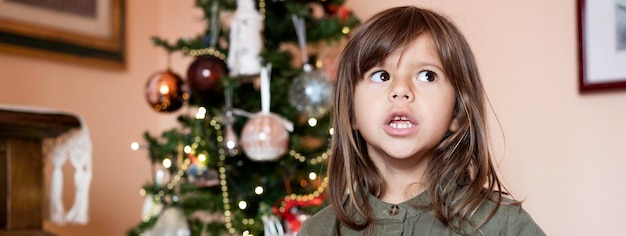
(396, 194)
(404, 179)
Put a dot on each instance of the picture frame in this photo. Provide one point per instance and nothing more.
(90, 33)
(601, 45)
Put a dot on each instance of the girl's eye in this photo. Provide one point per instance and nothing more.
(427, 76)
(380, 76)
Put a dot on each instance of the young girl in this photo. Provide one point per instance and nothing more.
(410, 150)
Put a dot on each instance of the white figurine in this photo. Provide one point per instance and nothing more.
(245, 40)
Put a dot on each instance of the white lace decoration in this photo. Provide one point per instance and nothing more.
(74, 145)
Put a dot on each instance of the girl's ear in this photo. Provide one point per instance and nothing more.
(454, 125)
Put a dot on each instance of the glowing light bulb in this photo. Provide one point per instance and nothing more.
(312, 176)
(345, 30)
(243, 205)
(312, 122)
(134, 146)
(202, 158)
(187, 149)
(167, 163)
(258, 190)
(201, 114)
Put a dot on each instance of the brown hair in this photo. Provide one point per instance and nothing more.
(461, 175)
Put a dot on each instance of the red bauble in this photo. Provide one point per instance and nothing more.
(204, 73)
(166, 91)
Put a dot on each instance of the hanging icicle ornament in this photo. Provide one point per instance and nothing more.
(230, 142)
(264, 137)
(245, 40)
(206, 71)
(311, 91)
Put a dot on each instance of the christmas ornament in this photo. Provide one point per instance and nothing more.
(202, 176)
(166, 91)
(230, 141)
(171, 222)
(311, 91)
(206, 71)
(245, 40)
(204, 74)
(264, 137)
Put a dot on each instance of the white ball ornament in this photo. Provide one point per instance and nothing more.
(264, 137)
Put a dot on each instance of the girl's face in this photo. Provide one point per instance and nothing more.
(404, 105)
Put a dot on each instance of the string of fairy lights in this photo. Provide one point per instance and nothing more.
(222, 155)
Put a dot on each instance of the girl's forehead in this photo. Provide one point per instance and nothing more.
(403, 48)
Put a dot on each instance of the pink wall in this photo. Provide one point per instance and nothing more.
(563, 151)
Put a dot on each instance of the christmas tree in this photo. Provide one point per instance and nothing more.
(249, 159)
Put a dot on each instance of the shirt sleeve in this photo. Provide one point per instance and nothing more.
(521, 223)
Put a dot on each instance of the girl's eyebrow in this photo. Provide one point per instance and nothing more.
(429, 64)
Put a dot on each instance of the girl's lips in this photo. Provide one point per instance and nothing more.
(399, 124)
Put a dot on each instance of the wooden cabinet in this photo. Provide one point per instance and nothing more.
(21, 167)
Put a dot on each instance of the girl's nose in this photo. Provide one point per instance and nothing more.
(401, 91)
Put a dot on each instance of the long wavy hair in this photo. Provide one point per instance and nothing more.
(461, 175)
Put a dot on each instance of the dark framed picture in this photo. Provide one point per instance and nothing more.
(89, 32)
(602, 45)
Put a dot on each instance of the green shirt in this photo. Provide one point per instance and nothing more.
(403, 219)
